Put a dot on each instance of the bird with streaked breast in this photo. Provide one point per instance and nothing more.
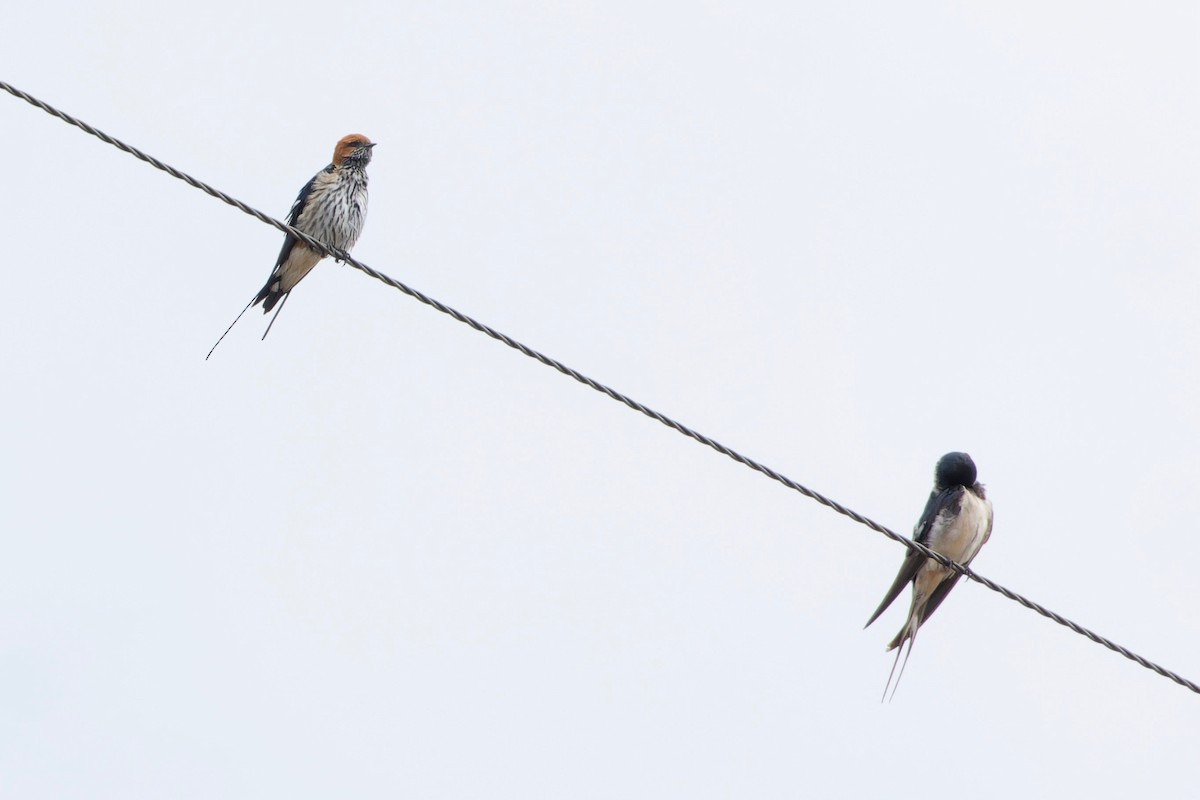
(331, 208)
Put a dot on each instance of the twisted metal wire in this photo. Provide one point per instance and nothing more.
(606, 390)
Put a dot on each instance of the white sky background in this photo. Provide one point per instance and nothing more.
(381, 555)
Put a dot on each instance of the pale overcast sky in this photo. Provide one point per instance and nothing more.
(381, 555)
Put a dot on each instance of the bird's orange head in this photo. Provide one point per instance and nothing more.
(353, 149)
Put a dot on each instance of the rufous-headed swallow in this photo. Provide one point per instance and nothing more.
(331, 208)
(957, 521)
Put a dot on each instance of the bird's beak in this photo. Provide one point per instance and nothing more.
(372, 144)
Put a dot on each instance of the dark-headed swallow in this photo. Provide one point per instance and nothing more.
(957, 521)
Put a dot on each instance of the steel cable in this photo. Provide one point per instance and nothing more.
(603, 389)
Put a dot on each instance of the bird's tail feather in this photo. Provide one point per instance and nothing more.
(227, 330)
(898, 645)
(269, 295)
(272, 322)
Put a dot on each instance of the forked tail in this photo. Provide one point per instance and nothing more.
(912, 637)
(256, 299)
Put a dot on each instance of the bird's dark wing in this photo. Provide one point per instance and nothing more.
(293, 219)
(908, 571)
(938, 501)
(948, 498)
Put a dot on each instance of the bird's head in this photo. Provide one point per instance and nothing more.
(353, 150)
(955, 469)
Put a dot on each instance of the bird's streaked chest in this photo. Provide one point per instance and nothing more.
(336, 208)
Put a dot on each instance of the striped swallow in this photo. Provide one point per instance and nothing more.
(331, 208)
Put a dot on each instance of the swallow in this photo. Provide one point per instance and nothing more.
(331, 208)
(957, 522)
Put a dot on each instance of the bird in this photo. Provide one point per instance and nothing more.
(331, 208)
(957, 522)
